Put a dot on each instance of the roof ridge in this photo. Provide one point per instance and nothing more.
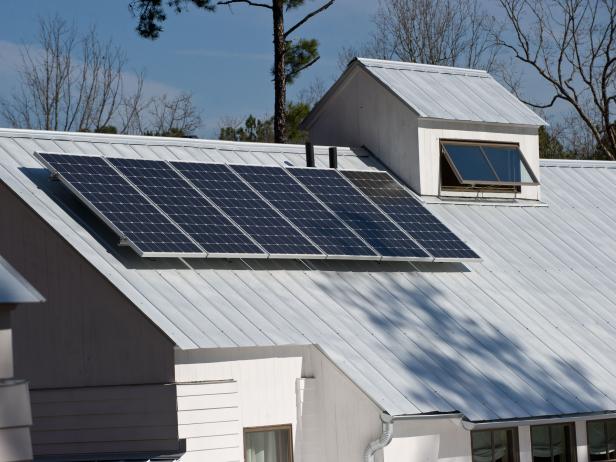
(421, 67)
(577, 163)
(164, 141)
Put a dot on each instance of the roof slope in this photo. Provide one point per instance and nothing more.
(526, 332)
(450, 93)
(14, 289)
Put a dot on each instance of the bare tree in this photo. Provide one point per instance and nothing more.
(175, 116)
(444, 32)
(78, 83)
(571, 45)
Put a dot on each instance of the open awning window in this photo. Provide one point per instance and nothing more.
(488, 164)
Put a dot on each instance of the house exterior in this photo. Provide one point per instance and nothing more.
(506, 358)
(15, 415)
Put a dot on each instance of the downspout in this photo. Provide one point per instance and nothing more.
(383, 440)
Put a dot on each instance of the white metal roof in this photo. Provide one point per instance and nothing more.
(14, 289)
(529, 331)
(447, 93)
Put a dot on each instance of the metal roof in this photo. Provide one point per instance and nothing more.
(446, 93)
(526, 332)
(14, 289)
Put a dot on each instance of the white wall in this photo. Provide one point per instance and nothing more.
(431, 132)
(332, 419)
(429, 440)
(363, 113)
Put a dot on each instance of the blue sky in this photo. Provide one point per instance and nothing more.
(224, 59)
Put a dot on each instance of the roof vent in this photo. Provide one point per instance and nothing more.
(309, 154)
(333, 157)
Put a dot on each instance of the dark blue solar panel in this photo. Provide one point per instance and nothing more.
(121, 204)
(357, 211)
(304, 210)
(246, 208)
(409, 214)
(186, 206)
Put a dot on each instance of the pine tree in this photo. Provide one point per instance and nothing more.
(290, 56)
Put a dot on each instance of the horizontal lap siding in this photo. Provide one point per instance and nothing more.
(209, 421)
(141, 418)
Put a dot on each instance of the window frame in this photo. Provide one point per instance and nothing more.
(603, 421)
(515, 443)
(572, 445)
(268, 428)
(474, 183)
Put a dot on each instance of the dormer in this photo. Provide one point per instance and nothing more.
(444, 131)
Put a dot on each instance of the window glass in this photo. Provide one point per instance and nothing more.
(268, 445)
(601, 440)
(553, 443)
(482, 446)
(470, 163)
(597, 444)
(507, 162)
(494, 445)
(541, 444)
(611, 439)
(503, 446)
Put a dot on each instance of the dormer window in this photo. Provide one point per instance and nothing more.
(483, 166)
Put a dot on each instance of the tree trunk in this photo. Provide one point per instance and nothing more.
(280, 80)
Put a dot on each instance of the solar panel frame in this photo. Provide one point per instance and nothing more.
(190, 187)
(438, 259)
(387, 219)
(320, 255)
(375, 256)
(124, 239)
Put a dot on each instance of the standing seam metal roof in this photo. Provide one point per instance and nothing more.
(526, 332)
(445, 93)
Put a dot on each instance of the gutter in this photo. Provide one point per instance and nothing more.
(387, 432)
(388, 425)
(468, 425)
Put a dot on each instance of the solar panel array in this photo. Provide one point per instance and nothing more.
(382, 189)
(193, 209)
(201, 220)
(356, 210)
(304, 210)
(124, 208)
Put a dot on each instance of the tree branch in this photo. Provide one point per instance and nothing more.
(247, 2)
(302, 68)
(308, 16)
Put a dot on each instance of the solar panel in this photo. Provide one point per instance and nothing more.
(255, 216)
(187, 207)
(359, 213)
(119, 204)
(410, 214)
(304, 211)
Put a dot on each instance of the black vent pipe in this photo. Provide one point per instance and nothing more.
(333, 157)
(309, 154)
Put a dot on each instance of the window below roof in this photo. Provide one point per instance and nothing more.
(553, 443)
(495, 445)
(473, 166)
(601, 440)
(268, 444)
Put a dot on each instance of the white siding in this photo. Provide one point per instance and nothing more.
(209, 421)
(332, 419)
(105, 420)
